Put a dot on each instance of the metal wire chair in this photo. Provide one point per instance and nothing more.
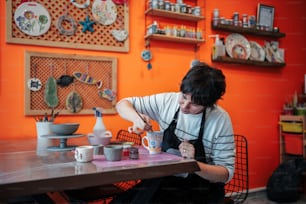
(126, 136)
(236, 191)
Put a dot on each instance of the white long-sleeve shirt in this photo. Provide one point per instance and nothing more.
(218, 137)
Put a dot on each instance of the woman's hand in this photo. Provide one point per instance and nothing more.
(187, 150)
(141, 124)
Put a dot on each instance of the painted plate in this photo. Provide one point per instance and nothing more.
(272, 52)
(257, 52)
(146, 55)
(105, 12)
(237, 46)
(32, 18)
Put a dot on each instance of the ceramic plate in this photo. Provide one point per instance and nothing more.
(32, 18)
(105, 12)
(237, 46)
(257, 52)
(63, 136)
(272, 52)
(146, 55)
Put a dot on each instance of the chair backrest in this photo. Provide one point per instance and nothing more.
(126, 136)
(236, 191)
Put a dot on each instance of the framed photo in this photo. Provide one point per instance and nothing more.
(265, 16)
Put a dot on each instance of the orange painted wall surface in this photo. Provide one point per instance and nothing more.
(254, 97)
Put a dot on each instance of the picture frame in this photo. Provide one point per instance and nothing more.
(265, 16)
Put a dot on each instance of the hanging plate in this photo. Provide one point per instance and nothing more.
(105, 12)
(146, 55)
(34, 84)
(32, 18)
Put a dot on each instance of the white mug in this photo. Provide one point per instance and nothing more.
(153, 141)
(84, 153)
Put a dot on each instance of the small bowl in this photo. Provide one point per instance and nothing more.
(98, 140)
(113, 152)
(64, 128)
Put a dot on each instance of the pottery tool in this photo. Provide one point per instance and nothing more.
(146, 122)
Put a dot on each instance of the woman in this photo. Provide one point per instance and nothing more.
(194, 127)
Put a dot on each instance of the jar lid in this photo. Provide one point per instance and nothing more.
(133, 150)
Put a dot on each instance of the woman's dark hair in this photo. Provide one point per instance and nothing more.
(205, 84)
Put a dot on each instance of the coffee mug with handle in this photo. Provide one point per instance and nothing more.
(153, 141)
(84, 153)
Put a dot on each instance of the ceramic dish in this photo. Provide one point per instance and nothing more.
(237, 46)
(146, 55)
(32, 18)
(257, 52)
(272, 52)
(105, 12)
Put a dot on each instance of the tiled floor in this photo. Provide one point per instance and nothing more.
(261, 198)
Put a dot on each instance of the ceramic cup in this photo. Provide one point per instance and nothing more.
(43, 128)
(113, 152)
(84, 153)
(153, 141)
(98, 149)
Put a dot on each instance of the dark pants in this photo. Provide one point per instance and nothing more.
(171, 189)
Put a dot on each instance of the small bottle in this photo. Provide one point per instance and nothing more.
(218, 48)
(99, 127)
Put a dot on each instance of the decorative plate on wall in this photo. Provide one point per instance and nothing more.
(257, 52)
(272, 52)
(32, 18)
(237, 46)
(105, 12)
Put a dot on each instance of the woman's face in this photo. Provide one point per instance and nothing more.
(186, 105)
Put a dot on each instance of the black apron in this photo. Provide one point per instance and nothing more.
(193, 188)
(172, 189)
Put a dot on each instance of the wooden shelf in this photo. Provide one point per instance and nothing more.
(173, 15)
(173, 39)
(248, 62)
(252, 31)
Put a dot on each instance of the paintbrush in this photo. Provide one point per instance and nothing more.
(146, 122)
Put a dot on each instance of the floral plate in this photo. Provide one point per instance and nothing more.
(237, 46)
(257, 52)
(272, 52)
(32, 18)
(104, 11)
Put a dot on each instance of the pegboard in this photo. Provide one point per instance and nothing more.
(100, 39)
(44, 65)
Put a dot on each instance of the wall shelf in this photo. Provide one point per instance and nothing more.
(173, 39)
(174, 15)
(252, 31)
(248, 62)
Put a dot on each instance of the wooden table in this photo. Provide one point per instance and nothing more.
(22, 172)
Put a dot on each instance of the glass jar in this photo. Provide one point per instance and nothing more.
(133, 153)
(161, 4)
(196, 11)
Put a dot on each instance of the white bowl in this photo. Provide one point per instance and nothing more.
(97, 140)
(64, 128)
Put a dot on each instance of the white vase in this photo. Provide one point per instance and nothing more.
(43, 128)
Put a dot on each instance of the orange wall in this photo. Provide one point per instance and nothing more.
(254, 96)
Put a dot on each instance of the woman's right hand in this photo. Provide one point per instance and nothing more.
(141, 125)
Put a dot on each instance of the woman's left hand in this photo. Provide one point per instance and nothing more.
(187, 150)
